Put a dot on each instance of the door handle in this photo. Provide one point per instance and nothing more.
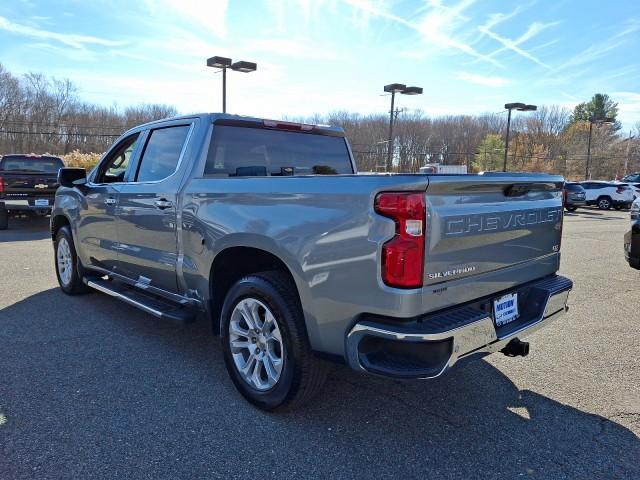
(163, 203)
(110, 201)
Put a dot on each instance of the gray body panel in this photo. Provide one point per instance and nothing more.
(326, 232)
(96, 227)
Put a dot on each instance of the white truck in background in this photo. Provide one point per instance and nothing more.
(435, 168)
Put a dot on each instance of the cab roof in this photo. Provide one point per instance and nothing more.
(225, 118)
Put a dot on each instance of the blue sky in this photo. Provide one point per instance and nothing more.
(319, 56)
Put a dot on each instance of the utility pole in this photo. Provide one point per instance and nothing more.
(506, 144)
(586, 173)
(626, 159)
(393, 89)
(390, 139)
(224, 89)
(521, 107)
(222, 63)
(599, 121)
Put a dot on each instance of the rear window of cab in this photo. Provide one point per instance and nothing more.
(25, 163)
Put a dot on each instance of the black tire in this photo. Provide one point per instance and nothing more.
(571, 209)
(303, 374)
(4, 219)
(75, 285)
(604, 203)
(618, 207)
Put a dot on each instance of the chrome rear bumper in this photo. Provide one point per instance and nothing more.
(431, 345)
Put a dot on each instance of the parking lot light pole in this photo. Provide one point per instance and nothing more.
(521, 107)
(394, 88)
(223, 63)
(598, 121)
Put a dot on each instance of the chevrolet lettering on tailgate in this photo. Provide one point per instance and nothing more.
(498, 222)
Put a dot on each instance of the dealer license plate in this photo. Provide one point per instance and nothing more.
(505, 309)
(41, 202)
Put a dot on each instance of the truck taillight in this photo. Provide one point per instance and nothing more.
(1, 185)
(561, 227)
(620, 190)
(403, 255)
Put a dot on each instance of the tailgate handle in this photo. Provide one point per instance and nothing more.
(517, 190)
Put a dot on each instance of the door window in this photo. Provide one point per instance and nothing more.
(115, 166)
(162, 153)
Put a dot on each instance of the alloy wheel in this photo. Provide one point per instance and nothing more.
(64, 261)
(256, 344)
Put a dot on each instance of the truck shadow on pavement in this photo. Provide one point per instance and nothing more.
(26, 229)
(595, 214)
(91, 386)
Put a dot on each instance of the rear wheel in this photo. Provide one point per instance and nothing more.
(68, 268)
(4, 219)
(265, 346)
(604, 203)
(618, 207)
(571, 209)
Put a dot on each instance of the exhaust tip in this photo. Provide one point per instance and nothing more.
(516, 348)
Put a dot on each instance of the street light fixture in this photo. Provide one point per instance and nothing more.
(244, 67)
(394, 88)
(521, 107)
(223, 63)
(598, 121)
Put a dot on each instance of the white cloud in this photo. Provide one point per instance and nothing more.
(600, 49)
(487, 81)
(69, 39)
(628, 107)
(507, 44)
(73, 54)
(299, 48)
(210, 15)
(437, 27)
(497, 18)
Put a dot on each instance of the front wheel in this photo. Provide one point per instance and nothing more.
(604, 203)
(264, 342)
(68, 267)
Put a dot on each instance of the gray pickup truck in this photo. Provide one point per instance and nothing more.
(265, 229)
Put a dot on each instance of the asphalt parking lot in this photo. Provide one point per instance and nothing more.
(92, 388)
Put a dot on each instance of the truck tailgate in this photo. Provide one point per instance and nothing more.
(483, 223)
(22, 184)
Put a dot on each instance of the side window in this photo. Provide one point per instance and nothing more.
(114, 167)
(162, 153)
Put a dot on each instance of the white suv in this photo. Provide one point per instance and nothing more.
(608, 194)
(633, 180)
